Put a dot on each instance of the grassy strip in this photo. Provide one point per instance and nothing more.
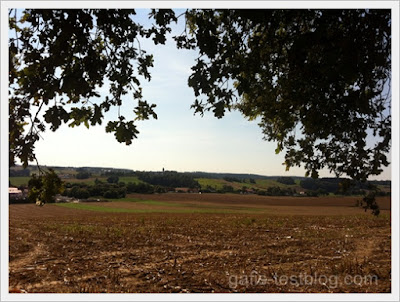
(150, 202)
(187, 205)
(80, 206)
(214, 183)
(20, 180)
(132, 179)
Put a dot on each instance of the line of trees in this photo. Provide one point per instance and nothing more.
(100, 189)
(341, 186)
(232, 179)
(168, 179)
(286, 180)
(240, 180)
(277, 191)
(83, 174)
(110, 190)
(19, 173)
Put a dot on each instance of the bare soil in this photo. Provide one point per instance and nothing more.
(259, 200)
(311, 245)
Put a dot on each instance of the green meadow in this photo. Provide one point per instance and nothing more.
(153, 206)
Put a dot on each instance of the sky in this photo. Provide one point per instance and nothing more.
(178, 140)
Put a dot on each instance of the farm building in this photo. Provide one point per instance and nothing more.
(14, 193)
(186, 190)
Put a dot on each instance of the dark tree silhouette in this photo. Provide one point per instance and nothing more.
(319, 80)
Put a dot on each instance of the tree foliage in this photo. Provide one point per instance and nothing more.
(286, 180)
(232, 179)
(277, 191)
(113, 179)
(83, 174)
(19, 173)
(99, 189)
(318, 80)
(168, 179)
(44, 187)
(60, 58)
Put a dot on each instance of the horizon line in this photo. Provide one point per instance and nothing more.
(208, 172)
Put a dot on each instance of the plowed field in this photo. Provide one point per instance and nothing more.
(201, 243)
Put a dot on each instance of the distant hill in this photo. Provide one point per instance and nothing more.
(211, 181)
(199, 174)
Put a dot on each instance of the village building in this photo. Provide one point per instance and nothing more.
(15, 193)
(186, 190)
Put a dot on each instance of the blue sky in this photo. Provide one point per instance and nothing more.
(178, 140)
